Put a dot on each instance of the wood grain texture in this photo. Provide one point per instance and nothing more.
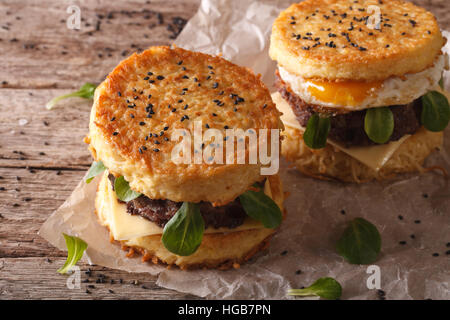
(42, 156)
(35, 278)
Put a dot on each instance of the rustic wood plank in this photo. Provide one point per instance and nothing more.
(36, 278)
(39, 51)
(33, 136)
(27, 198)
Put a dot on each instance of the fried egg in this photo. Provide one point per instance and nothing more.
(357, 95)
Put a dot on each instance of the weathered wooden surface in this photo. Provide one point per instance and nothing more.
(42, 156)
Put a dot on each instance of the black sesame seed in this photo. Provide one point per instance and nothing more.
(400, 217)
(146, 78)
(156, 142)
(156, 150)
(119, 93)
(166, 128)
(381, 293)
(284, 253)
(425, 195)
(298, 272)
(142, 123)
(435, 254)
(115, 133)
(215, 85)
(207, 126)
(225, 127)
(402, 242)
(113, 118)
(412, 236)
(185, 107)
(160, 77)
(150, 73)
(214, 115)
(417, 221)
(210, 67)
(185, 77)
(180, 62)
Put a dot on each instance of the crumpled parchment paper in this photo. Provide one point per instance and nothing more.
(304, 248)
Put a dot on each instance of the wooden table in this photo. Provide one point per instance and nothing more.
(42, 156)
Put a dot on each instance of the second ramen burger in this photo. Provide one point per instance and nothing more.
(358, 86)
(150, 119)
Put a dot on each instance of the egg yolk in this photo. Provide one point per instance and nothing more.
(343, 93)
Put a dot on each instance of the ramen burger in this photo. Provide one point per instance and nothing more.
(183, 213)
(358, 86)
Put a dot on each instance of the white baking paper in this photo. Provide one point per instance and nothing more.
(304, 248)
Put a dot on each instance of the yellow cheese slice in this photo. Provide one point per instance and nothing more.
(125, 226)
(374, 157)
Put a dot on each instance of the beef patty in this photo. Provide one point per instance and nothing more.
(160, 212)
(348, 128)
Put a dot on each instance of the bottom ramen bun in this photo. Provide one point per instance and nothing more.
(160, 131)
(221, 247)
(333, 163)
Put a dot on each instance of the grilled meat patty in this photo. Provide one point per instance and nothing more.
(160, 212)
(348, 128)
